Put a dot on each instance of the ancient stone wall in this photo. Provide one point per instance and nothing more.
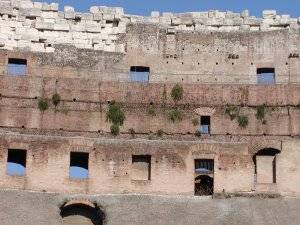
(39, 26)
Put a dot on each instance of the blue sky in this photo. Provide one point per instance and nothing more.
(144, 7)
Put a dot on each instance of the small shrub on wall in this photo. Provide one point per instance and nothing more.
(175, 115)
(56, 99)
(43, 104)
(242, 121)
(116, 116)
(177, 93)
(261, 113)
(115, 129)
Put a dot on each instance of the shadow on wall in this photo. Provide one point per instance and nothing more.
(81, 214)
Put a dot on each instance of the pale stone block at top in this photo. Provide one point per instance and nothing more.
(94, 9)
(38, 5)
(269, 14)
(155, 14)
(68, 9)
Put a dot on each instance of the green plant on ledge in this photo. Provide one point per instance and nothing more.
(115, 129)
(56, 99)
(43, 104)
(177, 93)
(175, 115)
(232, 111)
(116, 116)
(260, 113)
(242, 121)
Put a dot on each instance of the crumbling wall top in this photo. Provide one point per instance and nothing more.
(38, 26)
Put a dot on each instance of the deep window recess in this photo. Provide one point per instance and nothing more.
(204, 176)
(16, 162)
(266, 76)
(265, 165)
(141, 167)
(205, 125)
(139, 74)
(17, 67)
(79, 165)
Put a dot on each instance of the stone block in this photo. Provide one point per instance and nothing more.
(32, 12)
(269, 14)
(97, 16)
(94, 9)
(44, 25)
(245, 27)
(245, 13)
(49, 15)
(155, 14)
(86, 16)
(54, 7)
(93, 28)
(175, 21)
(253, 21)
(68, 9)
(38, 5)
(109, 17)
(61, 27)
(25, 4)
(69, 15)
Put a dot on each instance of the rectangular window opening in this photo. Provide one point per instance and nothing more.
(139, 74)
(266, 76)
(79, 165)
(204, 176)
(16, 162)
(17, 67)
(205, 125)
(141, 167)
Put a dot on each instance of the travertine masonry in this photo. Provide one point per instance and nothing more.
(37, 26)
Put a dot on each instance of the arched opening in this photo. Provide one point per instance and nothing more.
(81, 214)
(204, 185)
(265, 165)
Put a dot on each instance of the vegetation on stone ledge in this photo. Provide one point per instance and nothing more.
(116, 116)
(242, 121)
(175, 115)
(177, 93)
(260, 113)
(43, 104)
(115, 129)
(56, 99)
(232, 111)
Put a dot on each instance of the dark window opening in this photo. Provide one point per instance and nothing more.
(204, 172)
(79, 165)
(16, 162)
(266, 76)
(82, 214)
(205, 125)
(141, 167)
(267, 152)
(17, 67)
(139, 74)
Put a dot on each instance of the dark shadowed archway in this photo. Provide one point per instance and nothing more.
(204, 185)
(81, 214)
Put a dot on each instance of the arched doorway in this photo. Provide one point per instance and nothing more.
(81, 214)
(204, 185)
(265, 165)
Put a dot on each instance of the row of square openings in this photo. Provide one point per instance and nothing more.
(18, 67)
(141, 168)
(79, 165)
(264, 161)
